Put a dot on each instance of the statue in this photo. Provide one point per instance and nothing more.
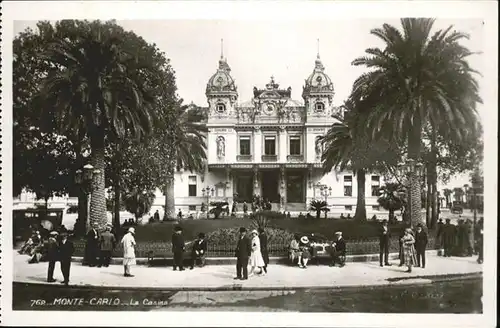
(221, 147)
(318, 148)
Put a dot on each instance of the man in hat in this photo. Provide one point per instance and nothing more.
(263, 248)
(128, 243)
(107, 244)
(448, 238)
(93, 246)
(243, 251)
(338, 250)
(199, 251)
(420, 245)
(52, 254)
(384, 238)
(178, 248)
(66, 250)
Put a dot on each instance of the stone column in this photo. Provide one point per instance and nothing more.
(283, 200)
(256, 180)
(228, 191)
(282, 148)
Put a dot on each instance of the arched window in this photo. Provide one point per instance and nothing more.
(220, 108)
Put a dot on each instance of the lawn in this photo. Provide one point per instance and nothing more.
(162, 231)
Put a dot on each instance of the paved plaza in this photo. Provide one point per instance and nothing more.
(220, 277)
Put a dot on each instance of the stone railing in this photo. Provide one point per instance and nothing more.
(244, 158)
(269, 158)
(295, 158)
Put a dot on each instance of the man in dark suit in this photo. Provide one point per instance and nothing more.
(199, 250)
(93, 240)
(156, 216)
(420, 245)
(66, 250)
(243, 251)
(338, 250)
(448, 238)
(52, 255)
(384, 238)
(178, 248)
(263, 248)
(107, 244)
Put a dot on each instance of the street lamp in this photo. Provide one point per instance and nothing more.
(324, 191)
(466, 187)
(207, 192)
(411, 169)
(83, 178)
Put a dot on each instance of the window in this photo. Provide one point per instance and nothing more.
(244, 145)
(320, 107)
(375, 185)
(192, 207)
(375, 207)
(348, 185)
(270, 145)
(295, 145)
(192, 185)
(348, 207)
(220, 107)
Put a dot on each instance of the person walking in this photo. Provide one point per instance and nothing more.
(409, 249)
(256, 260)
(128, 243)
(263, 248)
(448, 238)
(52, 255)
(93, 246)
(199, 251)
(243, 252)
(107, 245)
(66, 250)
(178, 248)
(384, 238)
(420, 245)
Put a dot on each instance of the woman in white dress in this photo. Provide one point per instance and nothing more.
(256, 259)
(128, 243)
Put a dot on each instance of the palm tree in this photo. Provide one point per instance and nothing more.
(447, 193)
(390, 198)
(188, 148)
(346, 145)
(96, 89)
(418, 79)
(319, 206)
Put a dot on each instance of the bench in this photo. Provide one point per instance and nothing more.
(322, 251)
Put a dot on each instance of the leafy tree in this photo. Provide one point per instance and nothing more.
(415, 80)
(102, 84)
(319, 206)
(391, 198)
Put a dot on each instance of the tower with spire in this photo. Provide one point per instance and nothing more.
(221, 91)
(318, 92)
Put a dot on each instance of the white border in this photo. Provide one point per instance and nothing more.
(268, 10)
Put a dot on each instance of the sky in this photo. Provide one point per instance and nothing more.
(258, 49)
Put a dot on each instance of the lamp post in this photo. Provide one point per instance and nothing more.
(207, 191)
(411, 168)
(83, 178)
(324, 191)
(467, 203)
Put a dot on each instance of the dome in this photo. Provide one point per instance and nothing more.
(318, 80)
(222, 79)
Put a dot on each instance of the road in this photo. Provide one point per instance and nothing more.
(459, 295)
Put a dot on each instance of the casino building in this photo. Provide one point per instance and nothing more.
(267, 146)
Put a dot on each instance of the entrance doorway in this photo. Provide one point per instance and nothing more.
(295, 189)
(270, 186)
(244, 188)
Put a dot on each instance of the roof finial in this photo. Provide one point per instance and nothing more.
(221, 48)
(318, 47)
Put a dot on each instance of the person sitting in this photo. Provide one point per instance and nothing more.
(305, 253)
(293, 251)
(301, 216)
(338, 250)
(342, 216)
(31, 243)
(199, 251)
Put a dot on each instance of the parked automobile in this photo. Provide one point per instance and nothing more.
(457, 209)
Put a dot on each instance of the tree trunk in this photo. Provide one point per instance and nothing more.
(98, 193)
(391, 216)
(169, 199)
(415, 202)
(82, 213)
(360, 214)
(428, 198)
(116, 206)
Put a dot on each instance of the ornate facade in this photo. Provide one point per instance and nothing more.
(267, 146)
